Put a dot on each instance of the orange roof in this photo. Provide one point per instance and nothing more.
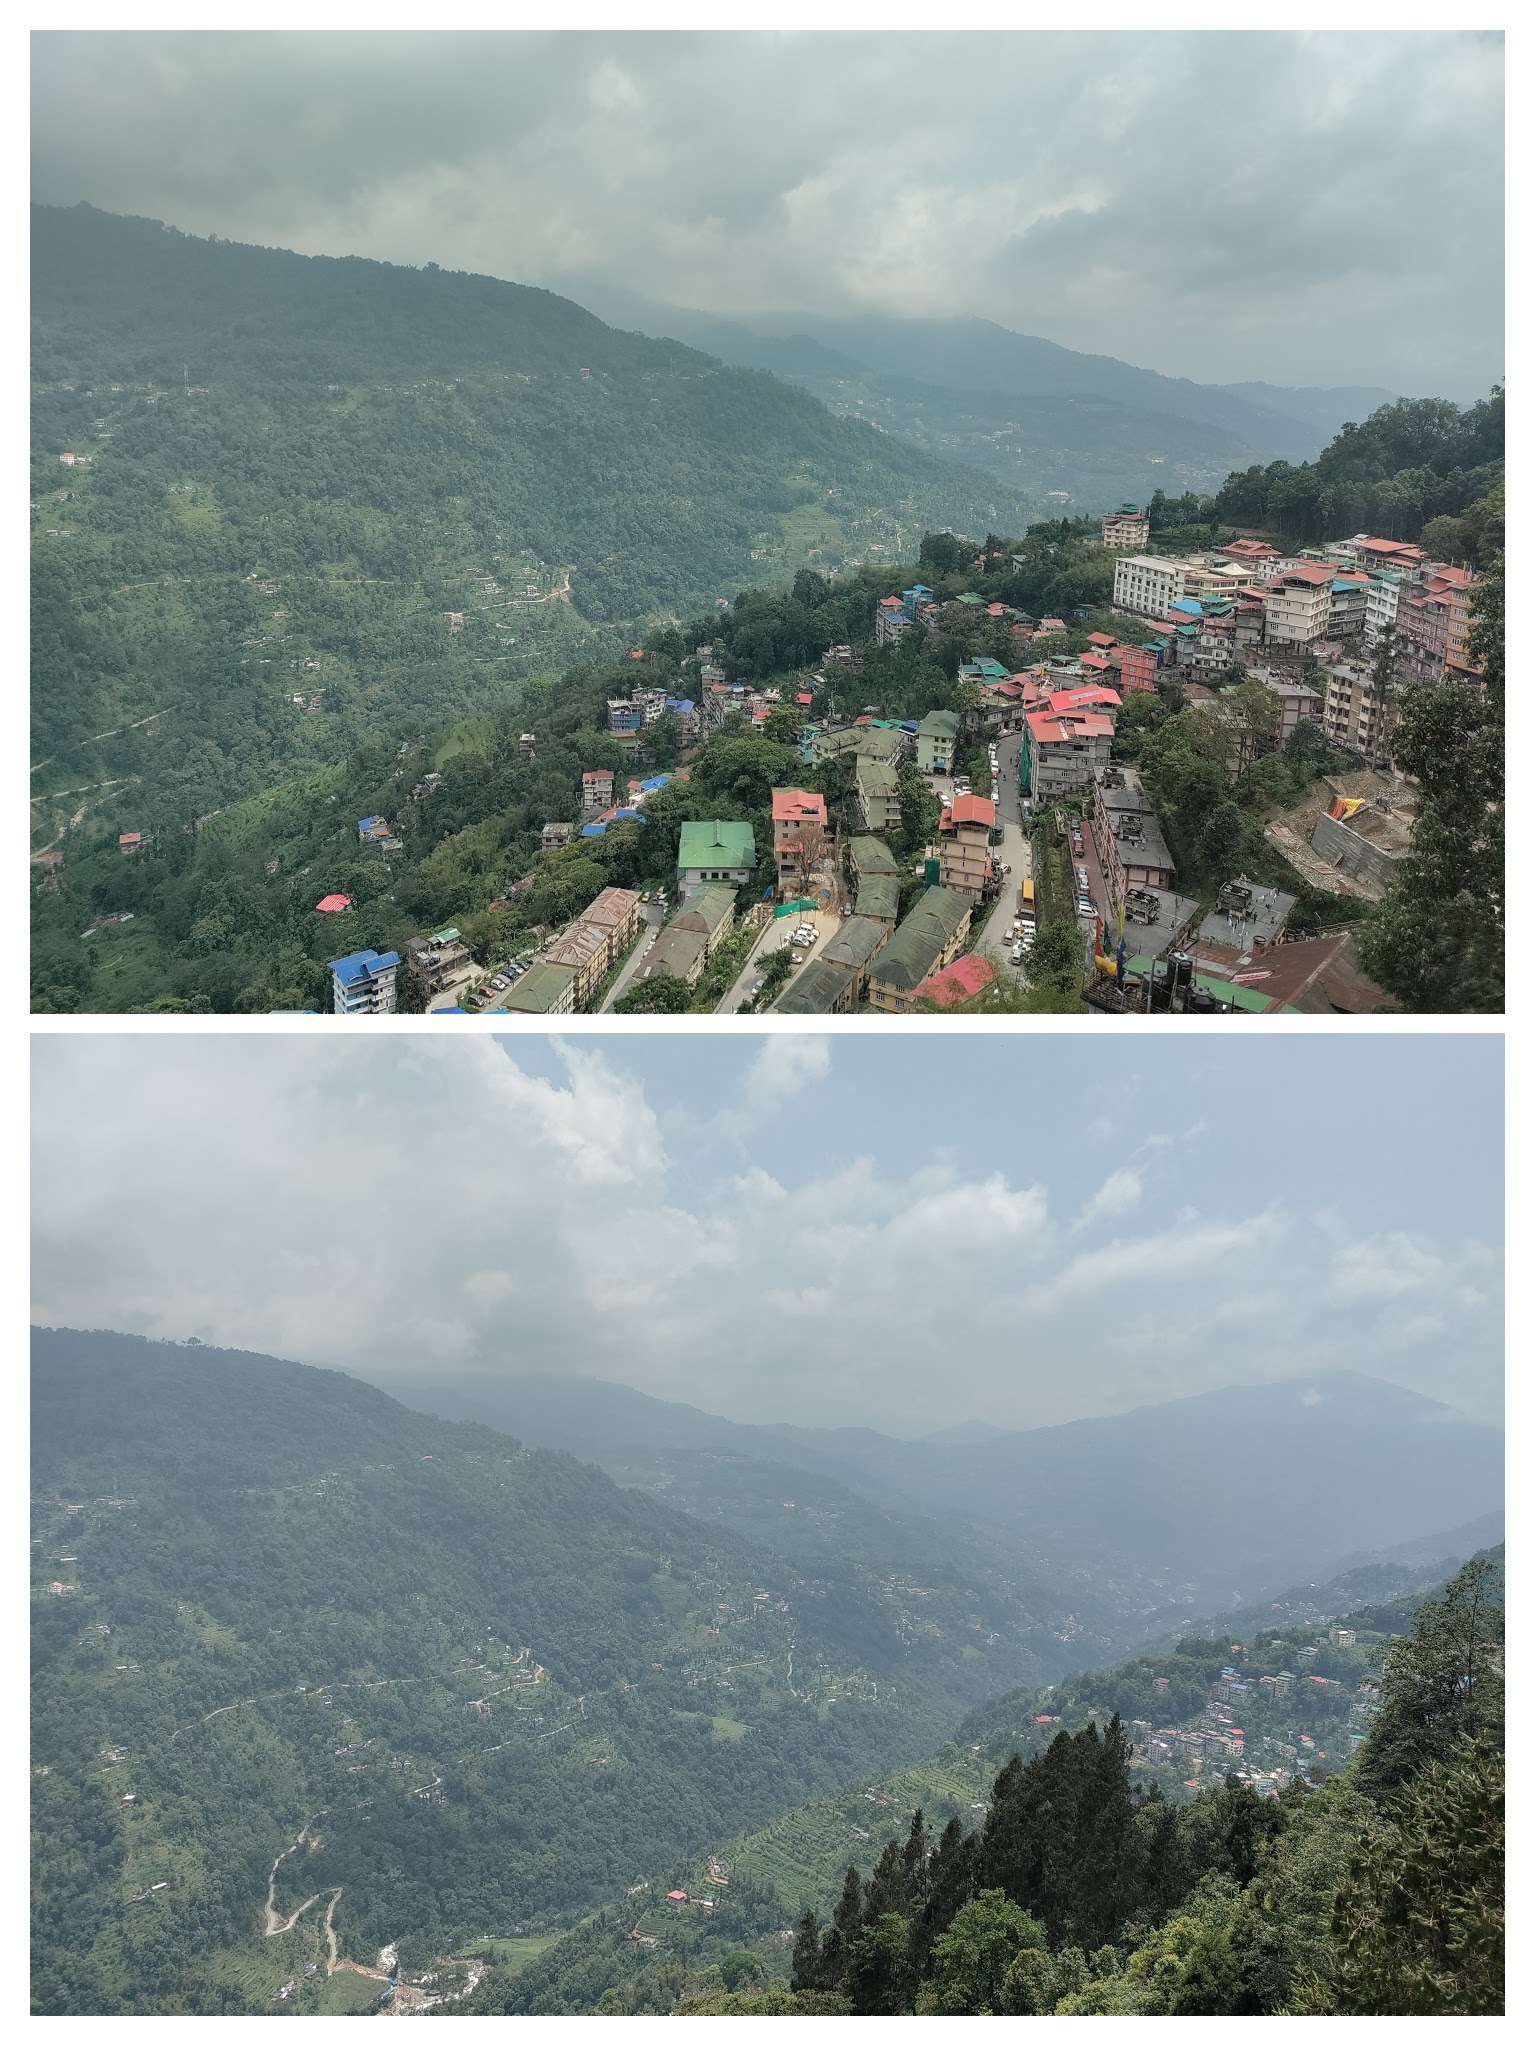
(956, 983)
(1050, 728)
(1100, 639)
(973, 810)
(794, 806)
(329, 905)
(1304, 574)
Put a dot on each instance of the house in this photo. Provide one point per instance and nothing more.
(1127, 527)
(441, 959)
(596, 791)
(1131, 849)
(1398, 555)
(853, 945)
(616, 912)
(879, 899)
(556, 836)
(715, 851)
(869, 856)
(937, 736)
(1066, 751)
(1146, 584)
(362, 984)
(371, 829)
(799, 833)
(544, 990)
(1251, 556)
(964, 846)
(129, 842)
(682, 953)
(928, 937)
(584, 950)
(1246, 920)
(525, 744)
(1296, 701)
(711, 911)
(332, 905)
(890, 621)
(955, 984)
(1136, 666)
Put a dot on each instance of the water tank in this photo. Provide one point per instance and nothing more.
(1180, 973)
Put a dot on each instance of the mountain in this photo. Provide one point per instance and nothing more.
(1202, 1501)
(1091, 428)
(311, 498)
(292, 1641)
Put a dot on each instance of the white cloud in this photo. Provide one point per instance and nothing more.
(1119, 1193)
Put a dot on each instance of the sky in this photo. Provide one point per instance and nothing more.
(904, 1232)
(1317, 209)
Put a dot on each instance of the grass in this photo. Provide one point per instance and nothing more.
(513, 1954)
(729, 1729)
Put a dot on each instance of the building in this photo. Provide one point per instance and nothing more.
(1136, 666)
(823, 988)
(799, 833)
(1295, 700)
(544, 990)
(1246, 920)
(937, 737)
(890, 621)
(1349, 607)
(1255, 558)
(555, 836)
(1131, 849)
(877, 784)
(1398, 555)
(1066, 752)
(1297, 606)
(130, 842)
(362, 984)
(928, 937)
(596, 791)
(1148, 585)
(1382, 594)
(625, 717)
(879, 899)
(1433, 624)
(1362, 838)
(867, 856)
(716, 852)
(440, 960)
(583, 949)
(1127, 527)
(709, 913)
(681, 953)
(953, 985)
(1359, 713)
(853, 945)
(964, 846)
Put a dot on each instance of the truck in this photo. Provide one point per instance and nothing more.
(1026, 900)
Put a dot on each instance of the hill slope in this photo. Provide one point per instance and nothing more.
(475, 1687)
(291, 470)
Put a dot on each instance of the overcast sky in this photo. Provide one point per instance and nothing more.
(1302, 209)
(904, 1232)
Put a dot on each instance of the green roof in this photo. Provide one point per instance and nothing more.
(856, 941)
(872, 856)
(448, 937)
(970, 597)
(938, 724)
(921, 939)
(876, 774)
(714, 903)
(814, 990)
(716, 844)
(540, 988)
(1252, 999)
(879, 895)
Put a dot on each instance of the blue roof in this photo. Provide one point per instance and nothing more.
(362, 966)
(1188, 604)
(908, 725)
(453, 1009)
(622, 813)
(366, 823)
(593, 830)
(1345, 586)
(679, 703)
(656, 781)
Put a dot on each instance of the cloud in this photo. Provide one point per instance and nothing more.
(408, 1208)
(847, 173)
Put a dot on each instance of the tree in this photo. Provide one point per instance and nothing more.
(1442, 1684)
(970, 1962)
(1418, 1921)
(664, 994)
(1055, 959)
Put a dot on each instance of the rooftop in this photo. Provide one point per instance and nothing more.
(956, 983)
(798, 806)
(717, 844)
(912, 953)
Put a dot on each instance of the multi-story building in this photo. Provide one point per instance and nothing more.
(878, 788)
(440, 959)
(544, 990)
(555, 836)
(1147, 584)
(1348, 607)
(362, 984)
(1131, 849)
(890, 621)
(1127, 527)
(929, 936)
(1358, 713)
(1381, 595)
(964, 846)
(1297, 606)
(799, 833)
(596, 791)
(584, 949)
(625, 717)
(937, 736)
(1368, 554)
(1433, 622)
(1255, 558)
(1066, 751)
(1294, 699)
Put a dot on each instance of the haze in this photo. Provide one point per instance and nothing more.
(1297, 208)
(904, 1235)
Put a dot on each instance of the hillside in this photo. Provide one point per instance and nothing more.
(1200, 1501)
(645, 1956)
(474, 1688)
(1078, 432)
(292, 474)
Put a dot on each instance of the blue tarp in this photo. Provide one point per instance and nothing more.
(593, 830)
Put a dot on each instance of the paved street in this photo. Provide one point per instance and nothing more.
(773, 939)
(1013, 851)
(655, 915)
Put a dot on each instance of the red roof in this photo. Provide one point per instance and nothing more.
(957, 983)
(793, 806)
(1082, 699)
(1100, 639)
(1097, 662)
(1305, 574)
(130, 838)
(803, 697)
(1049, 727)
(599, 774)
(328, 905)
(973, 810)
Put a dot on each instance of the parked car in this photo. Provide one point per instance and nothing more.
(1018, 955)
(501, 981)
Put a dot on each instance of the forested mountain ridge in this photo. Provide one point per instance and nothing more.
(1091, 428)
(489, 1687)
(291, 473)
(1154, 1495)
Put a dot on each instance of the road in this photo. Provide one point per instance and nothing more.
(1013, 851)
(773, 939)
(654, 915)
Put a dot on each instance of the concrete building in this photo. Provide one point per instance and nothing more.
(583, 949)
(1358, 713)
(1348, 607)
(596, 791)
(709, 912)
(1296, 701)
(1148, 585)
(928, 937)
(1066, 752)
(799, 834)
(822, 988)
(879, 899)
(440, 960)
(716, 852)
(556, 836)
(1131, 849)
(1297, 606)
(937, 737)
(1128, 527)
(964, 846)
(544, 990)
(878, 788)
(362, 984)
(1433, 624)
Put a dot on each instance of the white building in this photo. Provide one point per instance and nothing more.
(1146, 584)
(1380, 602)
(362, 984)
(1297, 606)
(1127, 527)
